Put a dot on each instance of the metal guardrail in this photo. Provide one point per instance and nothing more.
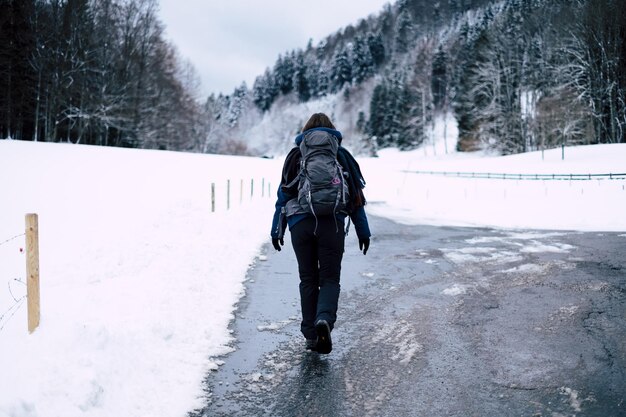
(534, 177)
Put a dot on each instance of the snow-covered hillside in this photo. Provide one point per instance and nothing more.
(139, 278)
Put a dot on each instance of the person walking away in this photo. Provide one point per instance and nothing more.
(321, 185)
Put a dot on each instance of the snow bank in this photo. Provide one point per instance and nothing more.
(138, 278)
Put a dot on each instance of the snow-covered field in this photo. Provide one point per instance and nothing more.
(591, 205)
(139, 278)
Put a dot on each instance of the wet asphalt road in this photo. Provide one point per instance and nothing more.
(439, 321)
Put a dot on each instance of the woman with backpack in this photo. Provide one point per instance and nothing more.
(321, 185)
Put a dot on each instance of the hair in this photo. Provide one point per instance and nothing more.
(318, 120)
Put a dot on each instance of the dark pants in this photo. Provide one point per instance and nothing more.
(319, 257)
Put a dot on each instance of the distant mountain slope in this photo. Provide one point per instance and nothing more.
(517, 75)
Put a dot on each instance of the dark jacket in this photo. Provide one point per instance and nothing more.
(355, 180)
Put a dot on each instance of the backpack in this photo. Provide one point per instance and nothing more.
(322, 187)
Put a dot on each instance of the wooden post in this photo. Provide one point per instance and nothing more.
(252, 188)
(263, 187)
(227, 194)
(212, 197)
(269, 189)
(32, 271)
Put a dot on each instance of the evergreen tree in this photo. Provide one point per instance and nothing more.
(469, 59)
(283, 74)
(236, 104)
(312, 75)
(455, 7)
(437, 18)
(341, 70)
(300, 81)
(395, 114)
(323, 81)
(404, 6)
(376, 125)
(404, 34)
(211, 124)
(406, 119)
(264, 91)
(361, 123)
(362, 61)
(414, 118)
(439, 79)
(376, 47)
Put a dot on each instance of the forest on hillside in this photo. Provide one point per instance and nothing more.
(517, 75)
(94, 72)
(514, 75)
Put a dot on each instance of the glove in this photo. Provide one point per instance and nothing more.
(364, 244)
(277, 243)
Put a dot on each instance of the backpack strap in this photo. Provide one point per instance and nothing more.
(290, 172)
(355, 180)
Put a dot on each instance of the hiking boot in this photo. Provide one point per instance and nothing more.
(324, 342)
(311, 344)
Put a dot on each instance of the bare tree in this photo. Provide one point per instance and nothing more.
(599, 66)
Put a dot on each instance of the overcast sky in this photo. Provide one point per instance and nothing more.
(230, 41)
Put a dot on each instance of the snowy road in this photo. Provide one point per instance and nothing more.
(439, 321)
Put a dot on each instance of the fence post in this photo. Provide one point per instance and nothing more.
(252, 188)
(263, 187)
(212, 197)
(227, 194)
(32, 271)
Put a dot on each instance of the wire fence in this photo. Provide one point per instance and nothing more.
(6, 316)
(224, 194)
(532, 177)
(11, 239)
(18, 301)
